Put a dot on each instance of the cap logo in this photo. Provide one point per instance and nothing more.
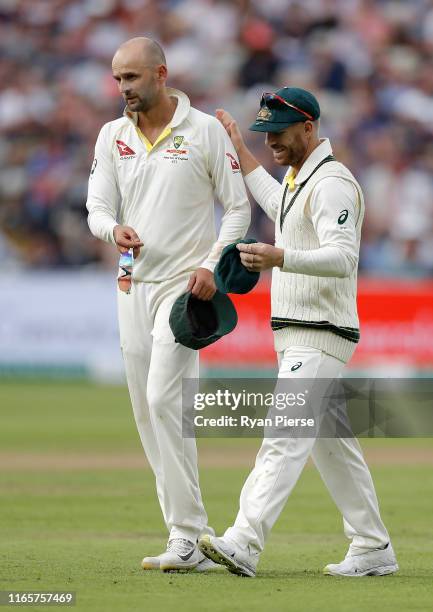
(264, 114)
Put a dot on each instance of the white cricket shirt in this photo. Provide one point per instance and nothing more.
(166, 191)
(314, 293)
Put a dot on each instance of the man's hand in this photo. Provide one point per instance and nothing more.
(126, 238)
(259, 256)
(247, 160)
(202, 284)
(231, 127)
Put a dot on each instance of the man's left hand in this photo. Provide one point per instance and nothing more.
(202, 284)
(258, 256)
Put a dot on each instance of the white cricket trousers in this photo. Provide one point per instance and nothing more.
(280, 462)
(155, 365)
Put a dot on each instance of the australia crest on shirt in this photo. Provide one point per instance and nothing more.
(177, 151)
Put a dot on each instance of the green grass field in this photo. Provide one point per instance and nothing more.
(78, 511)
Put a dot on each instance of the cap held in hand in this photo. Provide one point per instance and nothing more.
(197, 323)
(231, 276)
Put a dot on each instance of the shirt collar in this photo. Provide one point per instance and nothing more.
(180, 114)
(323, 150)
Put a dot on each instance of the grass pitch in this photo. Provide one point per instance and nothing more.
(78, 511)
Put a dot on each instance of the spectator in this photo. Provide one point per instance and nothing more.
(369, 62)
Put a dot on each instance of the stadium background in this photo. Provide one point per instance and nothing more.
(68, 450)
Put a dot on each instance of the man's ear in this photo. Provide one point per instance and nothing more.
(308, 127)
(161, 72)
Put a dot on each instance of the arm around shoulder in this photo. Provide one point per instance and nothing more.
(265, 190)
(263, 187)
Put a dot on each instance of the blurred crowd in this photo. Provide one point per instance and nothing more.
(369, 62)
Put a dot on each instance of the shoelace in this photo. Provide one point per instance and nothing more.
(180, 546)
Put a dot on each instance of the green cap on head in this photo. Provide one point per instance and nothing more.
(288, 105)
(197, 323)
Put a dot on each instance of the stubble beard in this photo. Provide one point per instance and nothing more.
(295, 156)
(145, 102)
(141, 105)
(292, 157)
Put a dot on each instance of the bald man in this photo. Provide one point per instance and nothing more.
(151, 191)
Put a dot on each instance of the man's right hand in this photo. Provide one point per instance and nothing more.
(126, 238)
(246, 158)
(231, 127)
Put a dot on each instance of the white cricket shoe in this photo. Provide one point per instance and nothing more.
(206, 565)
(377, 562)
(226, 553)
(151, 563)
(181, 554)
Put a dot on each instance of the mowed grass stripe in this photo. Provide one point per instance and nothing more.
(209, 457)
(86, 527)
(87, 531)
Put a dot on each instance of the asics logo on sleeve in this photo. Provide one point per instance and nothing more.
(343, 216)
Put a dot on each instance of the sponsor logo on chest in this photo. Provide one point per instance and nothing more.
(125, 151)
(175, 153)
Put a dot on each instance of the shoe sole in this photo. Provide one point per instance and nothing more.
(210, 566)
(148, 566)
(215, 568)
(381, 570)
(218, 556)
(177, 568)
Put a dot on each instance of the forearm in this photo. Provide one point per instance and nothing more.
(325, 261)
(247, 160)
(101, 223)
(265, 190)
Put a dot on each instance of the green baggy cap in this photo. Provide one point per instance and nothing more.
(286, 106)
(197, 323)
(230, 275)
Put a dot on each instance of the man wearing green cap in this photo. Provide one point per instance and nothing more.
(318, 213)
